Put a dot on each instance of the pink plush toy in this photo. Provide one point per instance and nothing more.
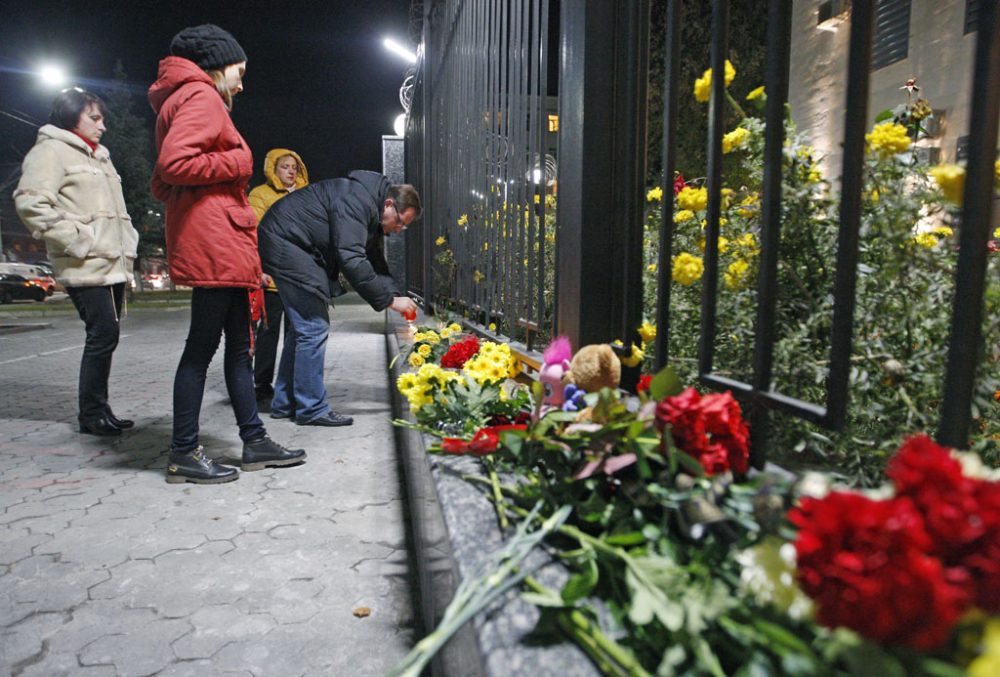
(556, 363)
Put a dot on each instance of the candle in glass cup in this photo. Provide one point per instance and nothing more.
(410, 315)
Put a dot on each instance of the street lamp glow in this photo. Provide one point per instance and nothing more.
(399, 50)
(399, 124)
(52, 75)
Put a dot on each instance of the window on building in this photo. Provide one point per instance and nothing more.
(892, 32)
(972, 15)
(962, 149)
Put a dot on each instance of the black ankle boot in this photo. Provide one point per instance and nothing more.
(122, 423)
(195, 467)
(102, 426)
(266, 453)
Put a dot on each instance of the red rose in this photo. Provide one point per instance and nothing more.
(460, 353)
(709, 428)
(679, 184)
(643, 385)
(961, 514)
(867, 565)
(485, 441)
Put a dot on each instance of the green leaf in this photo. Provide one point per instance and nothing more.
(581, 584)
(628, 538)
(884, 115)
(648, 578)
(543, 600)
(666, 383)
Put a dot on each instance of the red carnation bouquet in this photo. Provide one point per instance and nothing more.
(903, 570)
(709, 428)
(460, 353)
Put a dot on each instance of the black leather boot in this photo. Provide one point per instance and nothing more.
(195, 467)
(122, 423)
(103, 427)
(266, 453)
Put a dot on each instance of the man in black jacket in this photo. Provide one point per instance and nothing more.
(306, 241)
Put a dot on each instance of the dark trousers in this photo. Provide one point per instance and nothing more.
(266, 352)
(100, 309)
(214, 311)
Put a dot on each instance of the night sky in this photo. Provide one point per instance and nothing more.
(318, 79)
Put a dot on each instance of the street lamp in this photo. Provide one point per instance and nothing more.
(52, 75)
(400, 50)
(399, 124)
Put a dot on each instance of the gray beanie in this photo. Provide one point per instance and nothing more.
(209, 46)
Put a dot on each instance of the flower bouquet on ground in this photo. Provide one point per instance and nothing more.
(681, 562)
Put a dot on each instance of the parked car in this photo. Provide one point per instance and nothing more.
(15, 287)
(36, 273)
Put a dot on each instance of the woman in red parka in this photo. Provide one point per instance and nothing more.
(201, 174)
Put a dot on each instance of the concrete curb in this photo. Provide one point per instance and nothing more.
(437, 571)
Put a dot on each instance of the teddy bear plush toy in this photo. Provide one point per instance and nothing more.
(594, 367)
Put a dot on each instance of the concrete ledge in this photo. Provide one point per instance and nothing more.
(454, 529)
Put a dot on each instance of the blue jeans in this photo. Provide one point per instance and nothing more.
(214, 311)
(299, 389)
(100, 309)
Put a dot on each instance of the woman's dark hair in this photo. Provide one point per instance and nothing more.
(70, 104)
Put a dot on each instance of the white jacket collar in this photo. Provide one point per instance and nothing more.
(68, 137)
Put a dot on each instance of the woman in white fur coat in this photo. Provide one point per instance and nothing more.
(71, 196)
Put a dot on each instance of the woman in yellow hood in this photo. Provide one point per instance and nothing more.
(284, 172)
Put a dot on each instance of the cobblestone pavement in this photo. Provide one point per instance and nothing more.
(105, 569)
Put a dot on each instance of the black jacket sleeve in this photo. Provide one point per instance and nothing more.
(356, 229)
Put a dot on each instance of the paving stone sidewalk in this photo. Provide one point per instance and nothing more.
(107, 570)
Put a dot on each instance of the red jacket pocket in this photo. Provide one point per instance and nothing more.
(242, 216)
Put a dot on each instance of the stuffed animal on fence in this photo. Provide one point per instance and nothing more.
(594, 367)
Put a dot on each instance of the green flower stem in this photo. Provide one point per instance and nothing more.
(735, 105)
(609, 655)
(498, 500)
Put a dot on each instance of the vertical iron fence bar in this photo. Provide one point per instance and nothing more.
(671, 86)
(427, 149)
(532, 152)
(855, 122)
(779, 38)
(965, 343)
(520, 160)
(716, 111)
(490, 189)
(634, 51)
(543, 127)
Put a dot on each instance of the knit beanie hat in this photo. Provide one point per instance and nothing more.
(209, 46)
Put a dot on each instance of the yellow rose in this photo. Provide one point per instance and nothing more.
(688, 268)
(416, 359)
(735, 139)
(651, 268)
(951, 180)
(683, 215)
(886, 139)
(693, 199)
(440, 241)
(987, 663)
(424, 350)
(463, 220)
(756, 94)
(654, 194)
(647, 332)
(736, 275)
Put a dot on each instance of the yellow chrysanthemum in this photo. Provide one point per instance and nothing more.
(875, 195)
(987, 663)
(688, 268)
(445, 333)
(463, 220)
(926, 240)
(455, 327)
(440, 240)
(425, 351)
(735, 139)
(416, 359)
(693, 199)
(703, 85)
(654, 194)
(943, 231)
(736, 275)
(635, 359)
(814, 175)
(951, 180)
(651, 268)
(493, 326)
(886, 139)
(996, 233)
(432, 337)
(647, 332)
(478, 277)
(996, 172)
(683, 215)
(756, 94)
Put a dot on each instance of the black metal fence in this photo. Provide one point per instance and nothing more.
(478, 132)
